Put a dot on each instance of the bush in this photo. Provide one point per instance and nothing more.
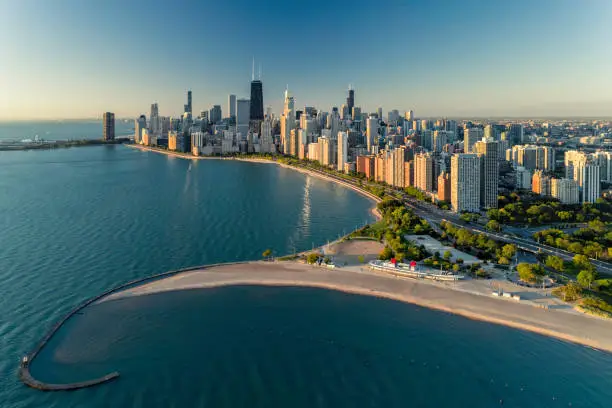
(312, 258)
(568, 293)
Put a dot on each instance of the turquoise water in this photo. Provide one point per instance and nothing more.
(75, 222)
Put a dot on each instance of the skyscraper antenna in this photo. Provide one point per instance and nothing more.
(253, 71)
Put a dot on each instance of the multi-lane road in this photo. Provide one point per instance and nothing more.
(434, 216)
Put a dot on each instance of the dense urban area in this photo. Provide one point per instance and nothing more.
(493, 188)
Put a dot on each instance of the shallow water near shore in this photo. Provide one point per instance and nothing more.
(262, 346)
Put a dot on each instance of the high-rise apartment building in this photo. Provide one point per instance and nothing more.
(423, 171)
(108, 126)
(489, 172)
(470, 137)
(465, 182)
(444, 187)
(565, 190)
(325, 151)
(585, 170)
(540, 183)
(342, 150)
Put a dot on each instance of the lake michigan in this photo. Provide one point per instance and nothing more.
(74, 222)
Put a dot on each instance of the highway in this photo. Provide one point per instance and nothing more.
(434, 216)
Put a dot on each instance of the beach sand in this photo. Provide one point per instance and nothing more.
(576, 328)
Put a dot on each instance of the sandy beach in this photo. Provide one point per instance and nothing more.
(254, 160)
(575, 328)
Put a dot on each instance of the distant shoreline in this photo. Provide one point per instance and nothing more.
(363, 192)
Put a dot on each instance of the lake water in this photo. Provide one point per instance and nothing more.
(74, 222)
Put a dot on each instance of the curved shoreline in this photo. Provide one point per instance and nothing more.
(469, 305)
(571, 328)
(24, 369)
(310, 172)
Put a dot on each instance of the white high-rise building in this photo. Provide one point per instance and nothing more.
(489, 172)
(604, 159)
(243, 111)
(371, 132)
(565, 190)
(287, 122)
(342, 150)
(231, 105)
(465, 182)
(585, 170)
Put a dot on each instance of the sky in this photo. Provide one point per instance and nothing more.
(65, 59)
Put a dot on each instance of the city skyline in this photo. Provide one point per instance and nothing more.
(536, 60)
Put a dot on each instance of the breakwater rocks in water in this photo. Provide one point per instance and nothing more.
(24, 369)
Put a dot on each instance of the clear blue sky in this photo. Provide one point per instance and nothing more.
(78, 58)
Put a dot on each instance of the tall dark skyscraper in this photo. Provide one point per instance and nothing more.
(350, 101)
(257, 106)
(108, 126)
(189, 106)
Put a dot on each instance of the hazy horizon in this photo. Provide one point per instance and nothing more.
(475, 59)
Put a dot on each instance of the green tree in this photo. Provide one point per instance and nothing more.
(456, 268)
(312, 257)
(586, 278)
(267, 253)
(447, 255)
(529, 272)
(508, 251)
(361, 258)
(386, 253)
(555, 262)
(582, 262)
(569, 293)
(502, 260)
(493, 226)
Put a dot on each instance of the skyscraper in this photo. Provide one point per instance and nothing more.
(189, 106)
(108, 126)
(215, 114)
(489, 172)
(139, 125)
(565, 190)
(342, 150)
(350, 100)
(423, 172)
(242, 117)
(465, 182)
(231, 106)
(287, 122)
(257, 106)
(154, 125)
(371, 132)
